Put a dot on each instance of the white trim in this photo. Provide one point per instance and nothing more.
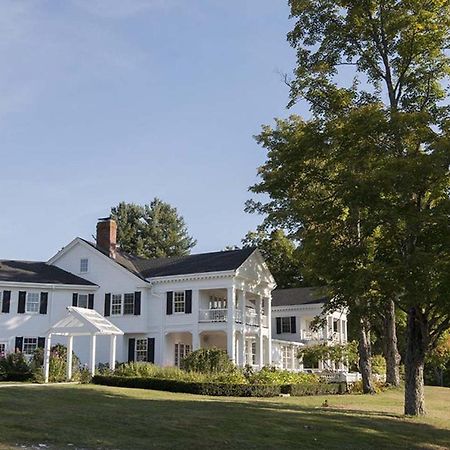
(50, 286)
(193, 276)
(84, 244)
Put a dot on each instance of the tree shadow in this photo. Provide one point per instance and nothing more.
(112, 418)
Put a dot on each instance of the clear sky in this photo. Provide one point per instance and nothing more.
(103, 101)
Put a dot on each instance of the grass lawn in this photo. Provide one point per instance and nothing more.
(97, 417)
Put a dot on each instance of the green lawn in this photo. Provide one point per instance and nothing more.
(88, 416)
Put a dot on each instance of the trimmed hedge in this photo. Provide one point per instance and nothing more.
(220, 389)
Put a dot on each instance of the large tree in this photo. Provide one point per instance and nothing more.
(281, 254)
(152, 231)
(397, 215)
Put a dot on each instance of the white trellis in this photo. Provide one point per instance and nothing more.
(81, 322)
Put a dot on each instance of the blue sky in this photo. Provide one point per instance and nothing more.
(103, 101)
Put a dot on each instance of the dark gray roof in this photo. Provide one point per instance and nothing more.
(37, 272)
(297, 296)
(181, 265)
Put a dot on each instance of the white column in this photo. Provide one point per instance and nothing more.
(112, 352)
(259, 350)
(195, 340)
(241, 358)
(48, 344)
(69, 358)
(293, 357)
(231, 350)
(92, 355)
(269, 323)
(195, 311)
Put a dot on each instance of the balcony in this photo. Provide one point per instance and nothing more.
(221, 315)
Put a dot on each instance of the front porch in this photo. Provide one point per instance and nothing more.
(243, 349)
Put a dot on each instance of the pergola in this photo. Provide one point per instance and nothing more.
(81, 322)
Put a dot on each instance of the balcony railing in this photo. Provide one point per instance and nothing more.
(221, 315)
(213, 315)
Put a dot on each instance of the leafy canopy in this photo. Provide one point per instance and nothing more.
(152, 231)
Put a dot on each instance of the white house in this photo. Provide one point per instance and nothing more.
(293, 314)
(166, 307)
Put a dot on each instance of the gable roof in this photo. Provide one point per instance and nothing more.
(297, 296)
(38, 272)
(180, 265)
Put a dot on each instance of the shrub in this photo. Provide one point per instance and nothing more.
(208, 360)
(272, 375)
(378, 365)
(58, 364)
(15, 367)
(221, 389)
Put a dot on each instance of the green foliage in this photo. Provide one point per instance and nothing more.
(378, 365)
(15, 367)
(338, 353)
(271, 375)
(57, 366)
(437, 364)
(208, 360)
(220, 389)
(151, 231)
(281, 255)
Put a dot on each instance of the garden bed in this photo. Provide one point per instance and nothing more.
(221, 389)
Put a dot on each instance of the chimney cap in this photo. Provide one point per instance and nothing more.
(104, 219)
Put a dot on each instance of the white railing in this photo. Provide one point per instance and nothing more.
(221, 315)
(213, 315)
(308, 335)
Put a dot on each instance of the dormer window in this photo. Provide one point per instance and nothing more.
(84, 265)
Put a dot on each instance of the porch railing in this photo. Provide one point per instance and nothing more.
(221, 315)
(213, 315)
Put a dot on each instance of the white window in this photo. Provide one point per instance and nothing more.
(116, 304)
(141, 349)
(286, 325)
(181, 351)
(128, 304)
(83, 300)
(32, 304)
(287, 357)
(84, 265)
(30, 344)
(179, 302)
(217, 302)
(2, 349)
(250, 352)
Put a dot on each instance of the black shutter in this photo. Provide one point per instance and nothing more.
(293, 325)
(278, 325)
(6, 301)
(188, 302)
(74, 299)
(91, 301)
(44, 303)
(169, 303)
(41, 342)
(137, 303)
(18, 346)
(107, 305)
(22, 300)
(131, 345)
(151, 350)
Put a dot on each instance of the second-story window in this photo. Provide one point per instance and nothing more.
(128, 304)
(82, 300)
(179, 302)
(116, 304)
(33, 301)
(84, 265)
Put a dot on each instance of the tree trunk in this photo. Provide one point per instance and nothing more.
(391, 353)
(364, 349)
(414, 364)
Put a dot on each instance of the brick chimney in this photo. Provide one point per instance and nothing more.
(107, 236)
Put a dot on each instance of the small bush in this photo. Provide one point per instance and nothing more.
(272, 375)
(58, 365)
(208, 360)
(15, 367)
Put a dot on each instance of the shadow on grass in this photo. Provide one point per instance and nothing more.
(113, 418)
